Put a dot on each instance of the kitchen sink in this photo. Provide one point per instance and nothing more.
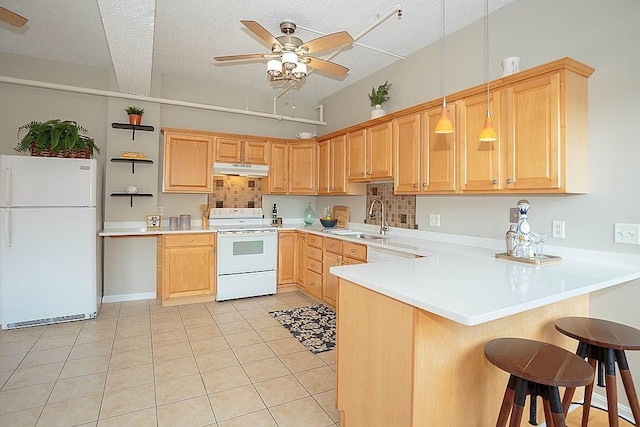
(368, 237)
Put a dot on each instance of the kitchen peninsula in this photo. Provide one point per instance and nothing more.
(411, 333)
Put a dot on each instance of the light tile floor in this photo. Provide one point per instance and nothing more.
(140, 364)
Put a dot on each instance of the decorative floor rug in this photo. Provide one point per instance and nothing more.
(314, 327)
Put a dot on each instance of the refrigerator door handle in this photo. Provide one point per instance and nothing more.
(7, 186)
(7, 230)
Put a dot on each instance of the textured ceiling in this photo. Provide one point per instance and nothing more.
(186, 34)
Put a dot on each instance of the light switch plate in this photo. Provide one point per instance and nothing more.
(434, 220)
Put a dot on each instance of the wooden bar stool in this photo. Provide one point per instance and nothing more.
(604, 342)
(537, 369)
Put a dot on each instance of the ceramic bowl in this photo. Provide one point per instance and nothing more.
(328, 223)
(305, 135)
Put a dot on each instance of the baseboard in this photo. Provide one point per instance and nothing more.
(598, 401)
(128, 297)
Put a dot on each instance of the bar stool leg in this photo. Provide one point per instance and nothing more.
(610, 384)
(557, 415)
(547, 413)
(522, 386)
(628, 385)
(507, 402)
(588, 394)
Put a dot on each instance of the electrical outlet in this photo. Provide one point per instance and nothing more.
(434, 220)
(558, 229)
(514, 215)
(626, 233)
(160, 210)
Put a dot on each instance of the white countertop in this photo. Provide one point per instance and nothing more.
(470, 286)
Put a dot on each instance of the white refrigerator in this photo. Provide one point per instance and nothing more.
(49, 268)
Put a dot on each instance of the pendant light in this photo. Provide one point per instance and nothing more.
(444, 125)
(488, 133)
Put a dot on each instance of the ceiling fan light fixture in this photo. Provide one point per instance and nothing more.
(289, 60)
(274, 68)
(300, 71)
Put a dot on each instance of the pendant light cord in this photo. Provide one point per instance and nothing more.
(444, 60)
(486, 62)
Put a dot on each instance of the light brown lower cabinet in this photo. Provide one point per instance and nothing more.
(286, 258)
(186, 268)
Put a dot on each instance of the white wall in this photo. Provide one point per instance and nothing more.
(603, 35)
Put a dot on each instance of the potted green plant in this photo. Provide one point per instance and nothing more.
(56, 138)
(135, 114)
(378, 97)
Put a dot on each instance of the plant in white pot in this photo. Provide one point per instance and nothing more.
(378, 97)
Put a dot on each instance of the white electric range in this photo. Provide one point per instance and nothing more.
(247, 251)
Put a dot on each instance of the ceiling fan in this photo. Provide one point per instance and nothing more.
(289, 55)
(12, 18)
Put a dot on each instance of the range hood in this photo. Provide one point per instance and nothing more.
(240, 169)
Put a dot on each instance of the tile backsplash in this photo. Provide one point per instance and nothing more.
(400, 209)
(236, 192)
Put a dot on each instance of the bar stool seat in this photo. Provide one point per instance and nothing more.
(603, 342)
(535, 368)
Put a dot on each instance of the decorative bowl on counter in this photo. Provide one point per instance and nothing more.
(328, 223)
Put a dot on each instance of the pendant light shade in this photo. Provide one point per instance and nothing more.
(444, 125)
(488, 133)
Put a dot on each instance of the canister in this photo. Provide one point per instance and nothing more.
(173, 223)
(185, 222)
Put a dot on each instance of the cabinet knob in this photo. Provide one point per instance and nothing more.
(330, 245)
(353, 250)
(424, 185)
(494, 181)
(415, 185)
(190, 240)
(368, 173)
(509, 181)
(361, 173)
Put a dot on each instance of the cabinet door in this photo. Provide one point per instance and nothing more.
(533, 133)
(406, 139)
(187, 165)
(438, 154)
(356, 155)
(380, 151)
(301, 257)
(330, 282)
(302, 168)
(286, 257)
(338, 165)
(228, 150)
(256, 152)
(278, 179)
(479, 161)
(188, 271)
(324, 167)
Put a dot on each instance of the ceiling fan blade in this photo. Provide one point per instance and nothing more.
(327, 66)
(12, 18)
(236, 57)
(330, 41)
(261, 32)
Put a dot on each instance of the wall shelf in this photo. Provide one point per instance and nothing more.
(133, 128)
(133, 162)
(131, 196)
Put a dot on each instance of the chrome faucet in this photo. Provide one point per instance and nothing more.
(384, 226)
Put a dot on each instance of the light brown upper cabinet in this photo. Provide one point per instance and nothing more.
(292, 168)
(234, 150)
(370, 153)
(425, 161)
(187, 165)
(480, 162)
(332, 168)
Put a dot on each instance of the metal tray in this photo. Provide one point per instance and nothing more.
(549, 260)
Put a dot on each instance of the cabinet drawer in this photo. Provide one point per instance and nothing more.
(314, 265)
(315, 241)
(313, 283)
(333, 245)
(352, 261)
(354, 250)
(195, 239)
(313, 252)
